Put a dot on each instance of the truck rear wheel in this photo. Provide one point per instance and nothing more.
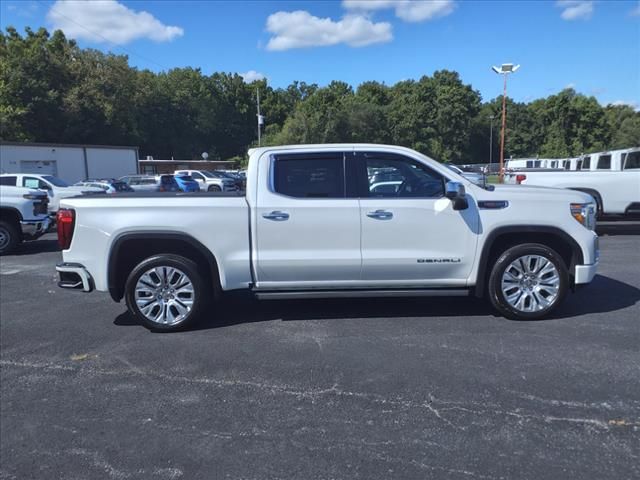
(9, 237)
(528, 282)
(165, 292)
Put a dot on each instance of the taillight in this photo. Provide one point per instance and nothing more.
(66, 220)
(521, 177)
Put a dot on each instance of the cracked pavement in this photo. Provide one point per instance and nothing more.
(340, 389)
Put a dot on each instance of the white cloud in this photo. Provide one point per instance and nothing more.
(108, 21)
(633, 104)
(300, 29)
(570, 85)
(407, 10)
(575, 9)
(635, 12)
(252, 76)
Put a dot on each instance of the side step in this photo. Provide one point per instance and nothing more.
(309, 294)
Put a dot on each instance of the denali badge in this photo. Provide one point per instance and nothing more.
(439, 260)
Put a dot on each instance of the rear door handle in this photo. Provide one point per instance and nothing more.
(276, 216)
(380, 215)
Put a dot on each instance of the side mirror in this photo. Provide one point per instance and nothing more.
(455, 192)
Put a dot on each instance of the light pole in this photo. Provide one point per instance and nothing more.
(505, 69)
(491, 117)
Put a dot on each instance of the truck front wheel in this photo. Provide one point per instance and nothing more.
(165, 292)
(214, 188)
(9, 237)
(528, 281)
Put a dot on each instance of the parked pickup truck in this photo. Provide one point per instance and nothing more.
(611, 178)
(309, 226)
(23, 216)
(55, 187)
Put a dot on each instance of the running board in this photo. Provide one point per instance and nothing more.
(308, 294)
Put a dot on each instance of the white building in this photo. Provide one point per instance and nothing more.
(71, 163)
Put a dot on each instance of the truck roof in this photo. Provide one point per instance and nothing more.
(317, 146)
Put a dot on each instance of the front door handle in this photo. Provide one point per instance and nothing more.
(276, 215)
(380, 215)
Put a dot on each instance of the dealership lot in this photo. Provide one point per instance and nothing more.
(403, 388)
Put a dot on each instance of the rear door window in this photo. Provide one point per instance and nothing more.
(9, 181)
(604, 162)
(586, 163)
(632, 161)
(310, 175)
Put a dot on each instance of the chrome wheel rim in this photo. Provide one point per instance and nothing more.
(4, 239)
(164, 295)
(531, 283)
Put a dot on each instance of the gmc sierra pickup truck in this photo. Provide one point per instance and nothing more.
(311, 226)
(611, 178)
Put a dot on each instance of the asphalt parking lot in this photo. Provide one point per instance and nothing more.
(341, 389)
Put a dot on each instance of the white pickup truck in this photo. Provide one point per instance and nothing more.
(23, 216)
(55, 187)
(611, 178)
(309, 226)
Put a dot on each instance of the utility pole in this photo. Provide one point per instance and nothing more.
(260, 117)
(505, 69)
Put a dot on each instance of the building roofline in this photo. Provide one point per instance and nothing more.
(67, 145)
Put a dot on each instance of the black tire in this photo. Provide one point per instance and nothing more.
(214, 188)
(504, 261)
(185, 266)
(9, 237)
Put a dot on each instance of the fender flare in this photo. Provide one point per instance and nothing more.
(117, 291)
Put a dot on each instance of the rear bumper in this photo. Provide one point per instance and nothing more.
(32, 229)
(585, 273)
(74, 276)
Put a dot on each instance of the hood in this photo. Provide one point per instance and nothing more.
(516, 191)
(74, 190)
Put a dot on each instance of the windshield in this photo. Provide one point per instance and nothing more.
(55, 181)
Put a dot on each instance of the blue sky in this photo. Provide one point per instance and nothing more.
(592, 46)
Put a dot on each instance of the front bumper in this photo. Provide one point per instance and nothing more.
(585, 273)
(32, 229)
(74, 276)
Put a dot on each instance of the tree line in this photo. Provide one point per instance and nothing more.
(51, 90)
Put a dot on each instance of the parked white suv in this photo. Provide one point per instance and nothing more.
(311, 226)
(55, 187)
(209, 181)
(23, 216)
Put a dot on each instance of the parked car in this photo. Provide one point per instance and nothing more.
(56, 188)
(109, 185)
(210, 181)
(23, 216)
(187, 183)
(310, 227)
(476, 177)
(614, 185)
(151, 183)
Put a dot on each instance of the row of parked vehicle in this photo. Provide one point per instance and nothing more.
(182, 180)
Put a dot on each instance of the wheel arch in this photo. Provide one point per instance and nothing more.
(130, 248)
(502, 238)
(11, 214)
